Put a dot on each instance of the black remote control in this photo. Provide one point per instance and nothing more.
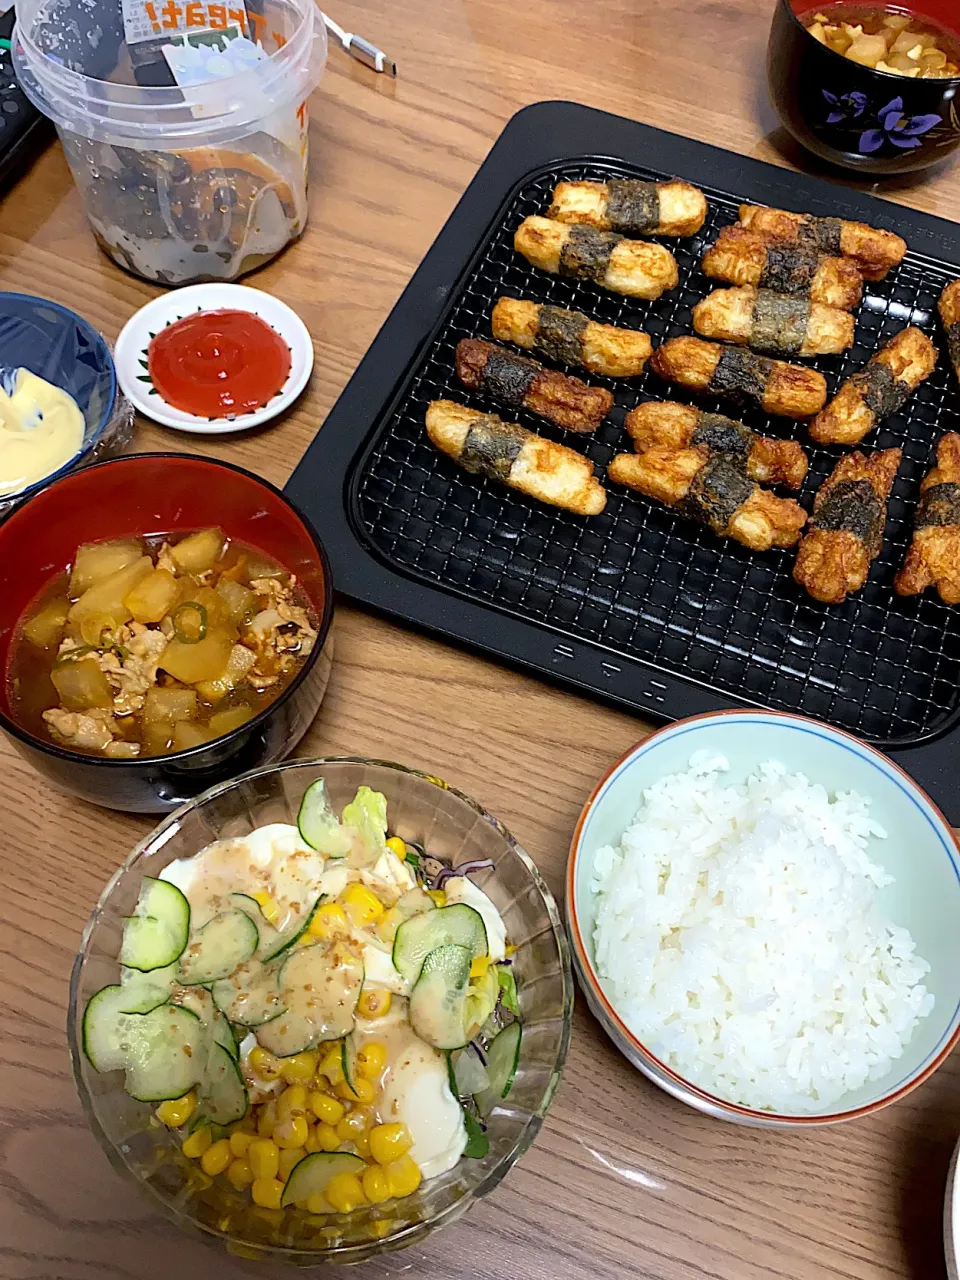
(24, 131)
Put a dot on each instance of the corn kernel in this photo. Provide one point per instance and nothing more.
(292, 1102)
(360, 1091)
(325, 1108)
(268, 905)
(361, 1145)
(267, 1119)
(318, 1204)
(289, 1159)
(509, 950)
(371, 1060)
(361, 905)
(345, 1192)
(177, 1111)
(198, 1142)
(216, 1158)
(267, 1193)
(479, 966)
(323, 1138)
(246, 1125)
(332, 1066)
(374, 1003)
(239, 1173)
(403, 1176)
(396, 845)
(300, 1068)
(239, 1143)
(328, 921)
(264, 1064)
(272, 1217)
(439, 897)
(291, 1132)
(389, 1142)
(375, 1185)
(264, 1157)
(354, 1123)
(388, 924)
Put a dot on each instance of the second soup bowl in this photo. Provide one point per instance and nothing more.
(163, 493)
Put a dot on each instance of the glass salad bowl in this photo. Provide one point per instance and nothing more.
(448, 825)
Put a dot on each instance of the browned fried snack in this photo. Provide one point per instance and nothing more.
(485, 445)
(664, 423)
(880, 389)
(846, 528)
(712, 490)
(517, 381)
(933, 558)
(636, 268)
(775, 324)
(632, 207)
(743, 257)
(569, 337)
(950, 315)
(875, 252)
(740, 376)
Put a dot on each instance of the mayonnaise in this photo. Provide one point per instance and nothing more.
(41, 429)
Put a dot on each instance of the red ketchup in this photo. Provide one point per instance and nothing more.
(218, 364)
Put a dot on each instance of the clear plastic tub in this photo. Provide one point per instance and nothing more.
(184, 124)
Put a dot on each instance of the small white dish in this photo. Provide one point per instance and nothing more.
(130, 354)
(951, 1219)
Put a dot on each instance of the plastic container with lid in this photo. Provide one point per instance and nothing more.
(184, 123)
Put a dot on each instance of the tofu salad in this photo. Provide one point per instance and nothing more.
(324, 1015)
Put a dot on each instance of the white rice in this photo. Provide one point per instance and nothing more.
(738, 937)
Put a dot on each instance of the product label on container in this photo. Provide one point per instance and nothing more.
(148, 19)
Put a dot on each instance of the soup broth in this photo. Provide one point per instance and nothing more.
(887, 39)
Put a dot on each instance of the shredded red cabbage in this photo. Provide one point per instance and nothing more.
(464, 869)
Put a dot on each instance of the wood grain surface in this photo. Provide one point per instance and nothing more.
(622, 1180)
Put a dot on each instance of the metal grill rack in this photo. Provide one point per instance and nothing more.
(639, 587)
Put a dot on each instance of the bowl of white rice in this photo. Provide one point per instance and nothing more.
(765, 918)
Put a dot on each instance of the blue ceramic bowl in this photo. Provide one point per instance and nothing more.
(62, 347)
(920, 852)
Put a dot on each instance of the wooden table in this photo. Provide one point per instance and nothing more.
(622, 1180)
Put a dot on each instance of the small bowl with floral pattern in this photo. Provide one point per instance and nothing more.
(869, 121)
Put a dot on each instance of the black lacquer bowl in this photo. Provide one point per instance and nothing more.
(865, 120)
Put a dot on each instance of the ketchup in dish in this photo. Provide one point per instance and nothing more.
(218, 364)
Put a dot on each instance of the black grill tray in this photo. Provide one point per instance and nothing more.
(637, 605)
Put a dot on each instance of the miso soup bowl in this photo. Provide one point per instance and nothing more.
(153, 493)
(871, 122)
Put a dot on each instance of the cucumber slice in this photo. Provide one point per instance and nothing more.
(459, 925)
(224, 1094)
(165, 1054)
(469, 1074)
(437, 1001)
(273, 942)
(107, 1024)
(502, 1058)
(221, 946)
(414, 902)
(156, 934)
(311, 1176)
(147, 991)
(348, 1061)
(318, 824)
(199, 1001)
(249, 997)
(320, 987)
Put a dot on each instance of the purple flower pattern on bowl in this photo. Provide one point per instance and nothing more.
(896, 128)
(845, 106)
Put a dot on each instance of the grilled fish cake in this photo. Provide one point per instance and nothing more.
(635, 268)
(846, 528)
(571, 338)
(880, 389)
(874, 251)
(664, 423)
(950, 315)
(745, 257)
(485, 445)
(740, 376)
(775, 324)
(933, 558)
(518, 381)
(632, 207)
(712, 490)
